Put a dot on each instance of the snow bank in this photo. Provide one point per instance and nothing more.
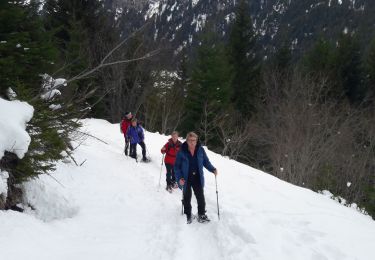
(13, 118)
(48, 199)
(3, 183)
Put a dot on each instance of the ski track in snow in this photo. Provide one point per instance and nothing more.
(123, 214)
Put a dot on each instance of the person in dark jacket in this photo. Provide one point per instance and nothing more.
(136, 136)
(188, 168)
(125, 123)
(170, 149)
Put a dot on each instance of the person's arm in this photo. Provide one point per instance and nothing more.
(207, 164)
(164, 149)
(128, 133)
(177, 169)
(141, 134)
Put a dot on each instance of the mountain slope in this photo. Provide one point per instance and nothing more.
(297, 24)
(111, 208)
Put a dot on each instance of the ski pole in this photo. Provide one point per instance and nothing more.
(217, 199)
(161, 169)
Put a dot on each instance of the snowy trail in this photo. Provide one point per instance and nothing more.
(111, 208)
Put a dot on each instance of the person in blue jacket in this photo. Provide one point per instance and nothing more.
(136, 136)
(188, 169)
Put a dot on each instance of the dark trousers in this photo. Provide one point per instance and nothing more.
(170, 178)
(127, 142)
(195, 184)
(133, 150)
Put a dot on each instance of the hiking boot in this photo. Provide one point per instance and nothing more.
(168, 188)
(203, 218)
(189, 219)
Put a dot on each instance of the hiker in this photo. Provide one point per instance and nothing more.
(125, 123)
(189, 173)
(170, 149)
(136, 136)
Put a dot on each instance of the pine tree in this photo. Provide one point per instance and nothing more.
(243, 58)
(208, 94)
(318, 60)
(348, 71)
(370, 73)
(283, 59)
(69, 22)
(26, 50)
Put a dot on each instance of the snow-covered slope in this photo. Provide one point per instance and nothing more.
(111, 208)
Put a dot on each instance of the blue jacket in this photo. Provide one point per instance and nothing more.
(135, 134)
(181, 166)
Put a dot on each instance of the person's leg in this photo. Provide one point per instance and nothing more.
(169, 168)
(173, 177)
(133, 151)
(199, 194)
(187, 200)
(142, 144)
(126, 145)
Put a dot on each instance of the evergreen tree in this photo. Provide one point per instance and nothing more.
(283, 59)
(243, 58)
(183, 73)
(348, 71)
(318, 60)
(26, 50)
(370, 73)
(208, 94)
(70, 22)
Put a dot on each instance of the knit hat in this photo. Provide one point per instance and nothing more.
(127, 114)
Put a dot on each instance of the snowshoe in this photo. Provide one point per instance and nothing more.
(203, 219)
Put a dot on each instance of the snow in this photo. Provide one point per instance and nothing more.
(13, 118)
(50, 86)
(11, 94)
(3, 183)
(153, 9)
(112, 208)
(194, 3)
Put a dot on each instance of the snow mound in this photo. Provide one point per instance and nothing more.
(48, 200)
(13, 118)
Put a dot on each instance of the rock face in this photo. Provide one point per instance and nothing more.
(295, 23)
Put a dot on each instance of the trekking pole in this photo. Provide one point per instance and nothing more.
(147, 152)
(217, 199)
(161, 169)
(182, 201)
